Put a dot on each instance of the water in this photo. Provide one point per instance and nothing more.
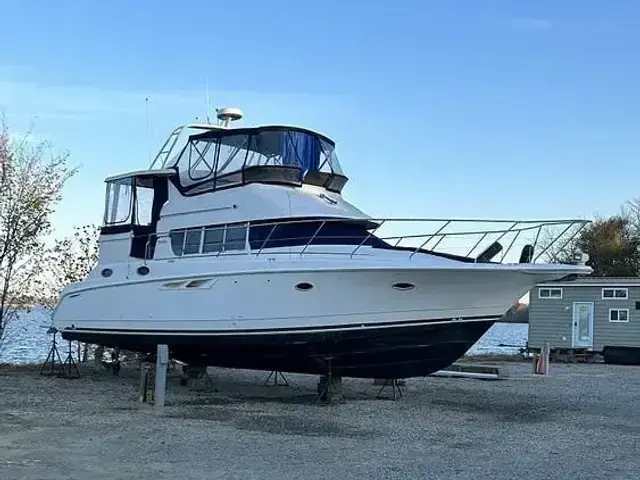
(27, 340)
(502, 333)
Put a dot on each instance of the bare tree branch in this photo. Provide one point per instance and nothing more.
(32, 177)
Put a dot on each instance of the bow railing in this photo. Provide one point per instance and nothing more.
(481, 240)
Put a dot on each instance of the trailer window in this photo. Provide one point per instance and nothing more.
(615, 293)
(546, 293)
(618, 314)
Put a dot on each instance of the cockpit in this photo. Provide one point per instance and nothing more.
(224, 158)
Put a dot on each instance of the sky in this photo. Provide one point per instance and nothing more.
(487, 109)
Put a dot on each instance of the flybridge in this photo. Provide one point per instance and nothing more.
(216, 156)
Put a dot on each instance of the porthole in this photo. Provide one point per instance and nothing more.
(404, 286)
(106, 272)
(304, 286)
(143, 270)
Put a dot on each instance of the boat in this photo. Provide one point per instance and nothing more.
(236, 248)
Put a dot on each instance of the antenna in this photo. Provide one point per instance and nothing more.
(146, 108)
(208, 104)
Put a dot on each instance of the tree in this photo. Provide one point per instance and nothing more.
(613, 246)
(631, 211)
(70, 260)
(32, 177)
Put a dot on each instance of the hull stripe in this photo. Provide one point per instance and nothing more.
(313, 329)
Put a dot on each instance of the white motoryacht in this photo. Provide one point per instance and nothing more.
(237, 249)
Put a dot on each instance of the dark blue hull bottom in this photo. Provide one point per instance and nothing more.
(396, 352)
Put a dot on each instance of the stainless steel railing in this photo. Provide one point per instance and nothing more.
(549, 239)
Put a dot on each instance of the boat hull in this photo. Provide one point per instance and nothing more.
(365, 321)
(399, 351)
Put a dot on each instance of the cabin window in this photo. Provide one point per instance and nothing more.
(144, 205)
(177, 241)
(235, 238)
(192, 241)
(615, 293)
(619, 315)
(313, 233)
(550, 293)
(119, 201)
(215, 239)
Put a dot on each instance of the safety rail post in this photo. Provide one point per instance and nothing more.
(478, 243)
(554, 241)
(448, 222)
(575, 234)
(507, 231)
(504, 255)
(313, 237)
(366, 238)
(147, 248)
(444, 235)
(267, 239)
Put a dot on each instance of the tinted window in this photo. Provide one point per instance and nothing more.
(213, 238)
(236, 238)
(301, 233)
(192, 242)
(177, 240)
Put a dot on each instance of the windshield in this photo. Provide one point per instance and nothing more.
(221, 156)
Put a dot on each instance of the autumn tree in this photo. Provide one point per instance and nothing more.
(70, 260)
(613, 246)
(32, 177)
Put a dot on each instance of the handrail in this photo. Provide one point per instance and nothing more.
(467, 240)
(267, 239)
(429, 239)
(313, 237)
(368, 237)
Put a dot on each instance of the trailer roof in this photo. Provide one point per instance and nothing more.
(595, 282)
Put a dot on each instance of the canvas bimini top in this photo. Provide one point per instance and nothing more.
(221, 158)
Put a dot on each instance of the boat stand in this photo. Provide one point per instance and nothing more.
(49, 365)
(329, 386)
(147, 382)
(69, 368)
(197, 377)
(276, 375)
(396, 388)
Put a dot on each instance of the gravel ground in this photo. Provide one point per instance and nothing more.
(581, 421)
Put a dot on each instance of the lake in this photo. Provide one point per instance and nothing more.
(27, 340)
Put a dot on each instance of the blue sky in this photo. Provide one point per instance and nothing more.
(439, 108)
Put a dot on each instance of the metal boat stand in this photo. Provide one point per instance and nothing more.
(396, 387)
(69, 368)
(197, 377)
(329, 386)
(49, 365)
(276, 375)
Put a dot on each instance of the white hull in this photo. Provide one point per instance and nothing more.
(236, 294)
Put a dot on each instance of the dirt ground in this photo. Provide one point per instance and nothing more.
(580, 421)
